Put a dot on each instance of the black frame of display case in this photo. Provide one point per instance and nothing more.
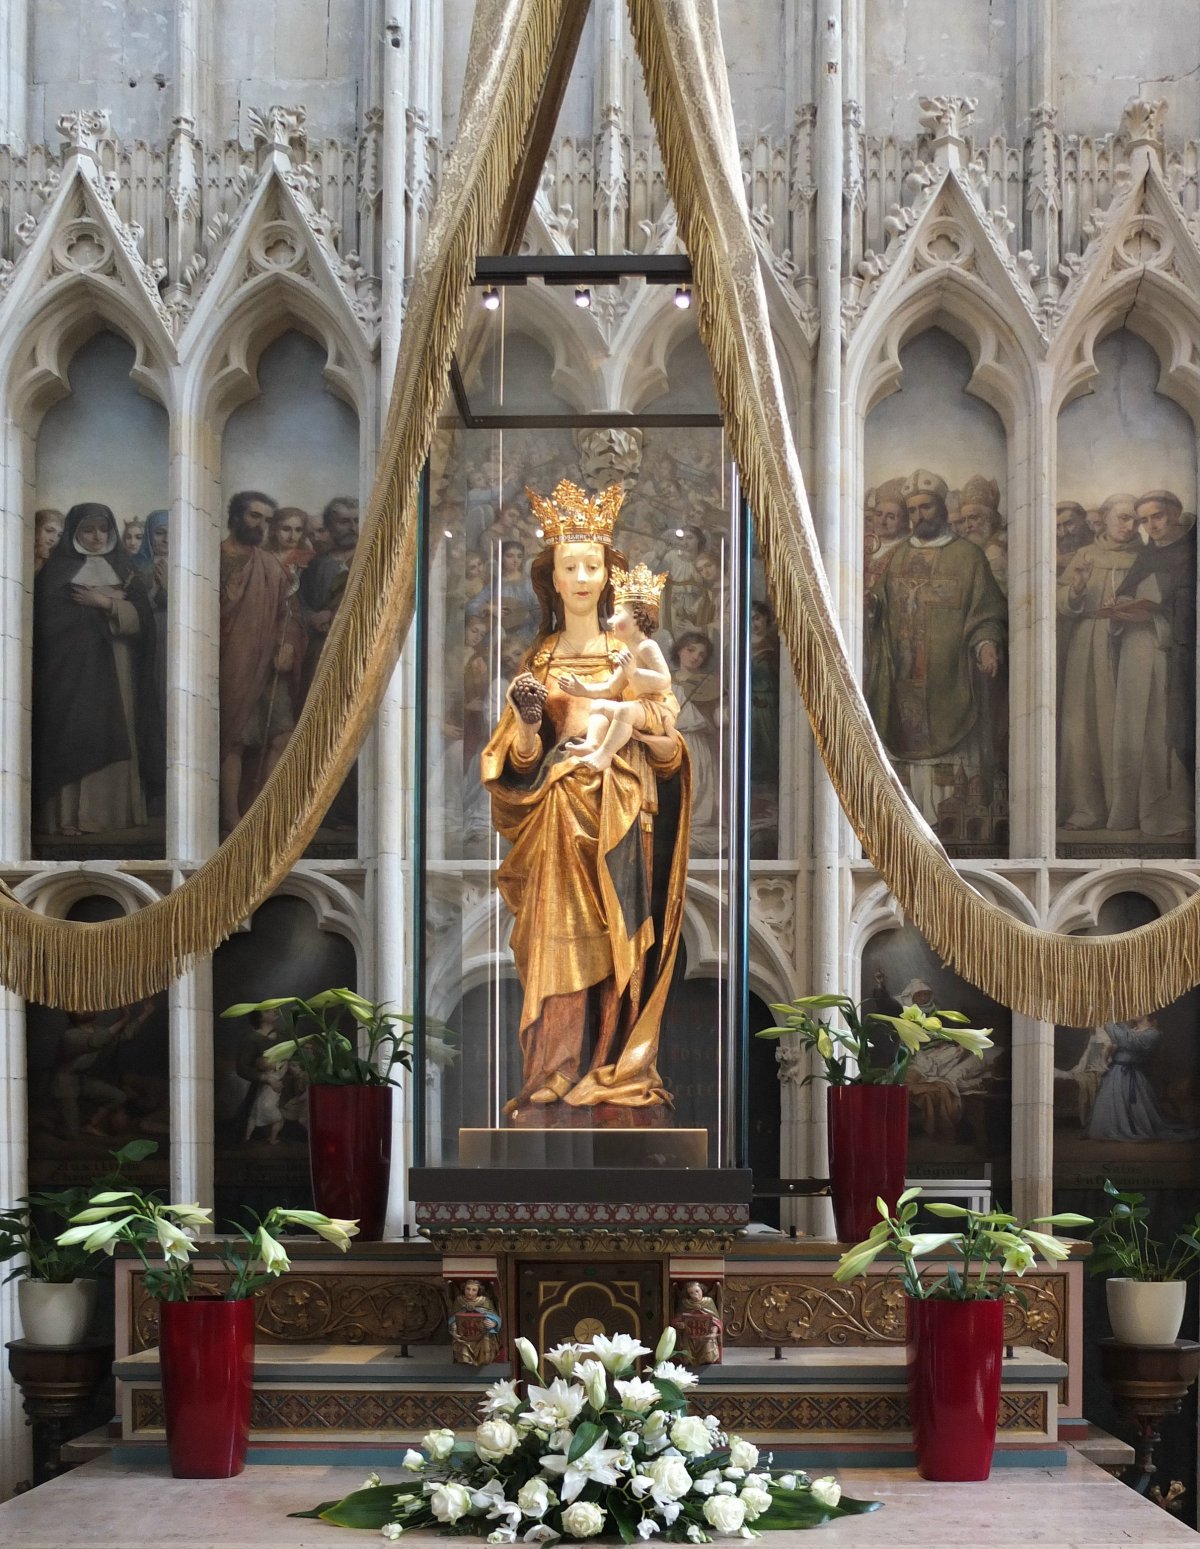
(730, 1180)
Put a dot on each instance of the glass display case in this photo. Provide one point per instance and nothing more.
(585, 707)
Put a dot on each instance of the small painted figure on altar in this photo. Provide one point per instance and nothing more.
(642, 677)
(474, 1326)
(698, 1324)
(596, 811)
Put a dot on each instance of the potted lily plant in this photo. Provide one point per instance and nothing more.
(206, 1343)
(955, 1320)
(1148, 1278)
(866, 1064)
(56, 1289)
(346, 1047)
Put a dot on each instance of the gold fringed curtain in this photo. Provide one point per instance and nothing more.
(1074, 980)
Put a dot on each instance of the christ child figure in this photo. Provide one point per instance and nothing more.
(647, 706)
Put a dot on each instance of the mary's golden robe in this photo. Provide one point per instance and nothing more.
(596, 895)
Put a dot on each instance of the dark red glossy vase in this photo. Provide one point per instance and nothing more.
(868, 1154)
(350, 1154)
(206, 1355)
(955, 1353)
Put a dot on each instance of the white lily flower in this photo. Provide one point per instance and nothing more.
(175, 1244)
(371, 1482)
(540, 1533)
(640, 1484)
(617, 1351)
(93, 1237)
(637, 1394)
(695, 1536)
(595, 1380)
(563, 1358)
(502, 1535)
(681, 1376)
(647, 1526)
(553, 1408)
(275, 1259)
(189, 1215)
(391, 1531)
(665, 1348)
(669, 1512)
(629, 1440)
(597, 1464)
(501, 1398)
(535, 1497)
(529, 1356)
(1050, 1248)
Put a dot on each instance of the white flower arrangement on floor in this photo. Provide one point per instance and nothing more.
(598, 1449)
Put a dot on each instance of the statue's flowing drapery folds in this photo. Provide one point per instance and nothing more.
(595, 880)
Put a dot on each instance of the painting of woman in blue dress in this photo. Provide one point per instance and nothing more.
(1126, 1106)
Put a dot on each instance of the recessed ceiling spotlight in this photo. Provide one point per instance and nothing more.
(683, 297)
(583, 296)
(491, 298)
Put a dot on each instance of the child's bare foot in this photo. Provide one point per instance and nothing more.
(598, 759)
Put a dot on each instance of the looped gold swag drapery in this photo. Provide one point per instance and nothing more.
(1073, 980)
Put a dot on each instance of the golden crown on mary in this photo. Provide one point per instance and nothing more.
(638, 585)
(570, 515)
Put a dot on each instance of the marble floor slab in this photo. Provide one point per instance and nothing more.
(107, 1505)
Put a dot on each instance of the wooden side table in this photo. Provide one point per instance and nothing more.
(1149, 1383)
(57, 1384)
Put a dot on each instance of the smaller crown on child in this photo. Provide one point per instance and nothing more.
(638, 585)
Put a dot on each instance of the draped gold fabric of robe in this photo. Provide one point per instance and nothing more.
(579, 882)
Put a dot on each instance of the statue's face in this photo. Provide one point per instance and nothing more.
(580, 574)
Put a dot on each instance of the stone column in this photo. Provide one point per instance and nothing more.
(16, 1460)
(827, 915)
(15, 71)
(16, 619)
(613, 48)
(190, 998)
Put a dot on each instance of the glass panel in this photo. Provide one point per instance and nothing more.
(290, 480)
(1126, 613)
(1126, 1101)
(935, 595)
(584, 1003)
(960, 1121)
(100, 615)
(261, 1111)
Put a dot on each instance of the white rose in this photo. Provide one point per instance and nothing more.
(495, 1439)
(755, 1501)
(727, 1487)
(705, 1485)
(669, 1479)
(413, 1461)
(827, 1491)
(742, 1454)
(583, 1519)
(735, 1473)
(534, 1497)
(725, 1513)
(439, 1444)
(786, 1481)
(690, 1435)
(391, 1530)
(448, 1502)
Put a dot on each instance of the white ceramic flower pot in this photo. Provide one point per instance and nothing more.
(56, 1315)
(1146, 1312)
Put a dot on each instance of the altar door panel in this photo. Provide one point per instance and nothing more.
(564, 1300)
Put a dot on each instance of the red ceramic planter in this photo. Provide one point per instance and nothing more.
(868, 1154)
(955, 1351)
(350, 1153)
(206, 1352)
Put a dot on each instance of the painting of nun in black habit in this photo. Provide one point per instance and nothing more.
(94, 699)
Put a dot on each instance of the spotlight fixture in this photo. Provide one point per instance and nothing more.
(683, 297)
(583, 296)
(491, 298)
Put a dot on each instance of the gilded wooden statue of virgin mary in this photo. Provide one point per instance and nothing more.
(596, 871)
